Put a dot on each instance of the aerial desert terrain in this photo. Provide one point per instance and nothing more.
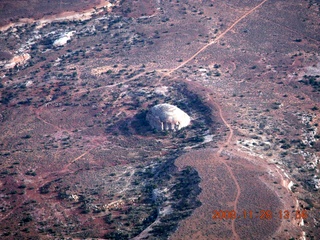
(79, 159)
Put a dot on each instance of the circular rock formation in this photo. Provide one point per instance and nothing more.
(166, 117)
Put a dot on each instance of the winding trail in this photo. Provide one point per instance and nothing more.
(37, 112)
(216, 39)
(222, 145)
(221, 148)
(225, 122)
(230, 135)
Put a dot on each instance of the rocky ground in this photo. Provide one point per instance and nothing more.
(78, 159)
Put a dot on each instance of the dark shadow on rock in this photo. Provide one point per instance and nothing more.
(140, 125)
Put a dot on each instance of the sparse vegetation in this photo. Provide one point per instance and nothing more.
(74, 135)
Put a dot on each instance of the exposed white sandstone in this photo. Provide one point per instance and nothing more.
(63, 40)
(18, 60)
(166, 117)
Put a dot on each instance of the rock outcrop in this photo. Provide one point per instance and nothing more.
(166, 117)
(18, 60)
(63, 40)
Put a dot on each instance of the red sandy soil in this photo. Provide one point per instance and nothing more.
(231, 184)
(135, 9)
(231, 180)
(12, 11)
(28, 12)
(237, 183)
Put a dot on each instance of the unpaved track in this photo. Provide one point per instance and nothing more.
(221, 148)
(216, 39)
(229, 138)
(223, 145)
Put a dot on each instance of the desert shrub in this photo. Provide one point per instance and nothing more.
(31, 173)
(117, 236)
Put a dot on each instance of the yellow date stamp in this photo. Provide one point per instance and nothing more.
(261, 214)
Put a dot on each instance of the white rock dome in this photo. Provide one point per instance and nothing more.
(167, 117)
